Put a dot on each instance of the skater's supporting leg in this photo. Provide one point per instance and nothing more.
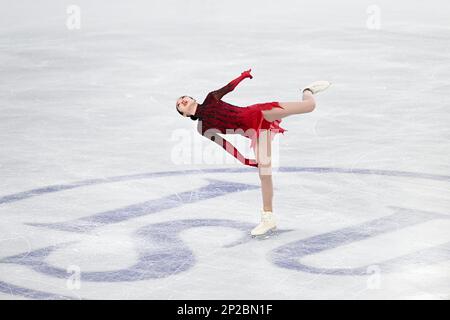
(263, 155)
(307, 105)
(264, 158)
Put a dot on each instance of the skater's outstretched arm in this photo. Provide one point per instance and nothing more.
(231, 150)
(218, 94)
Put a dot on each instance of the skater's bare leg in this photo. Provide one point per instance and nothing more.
(289, 108)
(263, 155)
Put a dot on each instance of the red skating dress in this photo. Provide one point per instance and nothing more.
(217, 116)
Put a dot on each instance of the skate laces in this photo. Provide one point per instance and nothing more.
(267, 216)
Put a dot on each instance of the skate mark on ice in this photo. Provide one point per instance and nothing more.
(215, 188)
(11, 289)
(61, 187)
(150, 175)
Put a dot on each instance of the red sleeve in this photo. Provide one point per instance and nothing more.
(227, 146)
(218, 94)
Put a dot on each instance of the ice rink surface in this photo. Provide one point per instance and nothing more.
(97, 201)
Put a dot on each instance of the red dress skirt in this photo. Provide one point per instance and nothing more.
(254, 119)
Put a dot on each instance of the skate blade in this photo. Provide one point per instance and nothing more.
(270, 233)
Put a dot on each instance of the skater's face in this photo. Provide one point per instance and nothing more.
(185, 105)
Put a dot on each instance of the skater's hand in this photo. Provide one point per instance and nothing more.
(247, 74)
(251, 162)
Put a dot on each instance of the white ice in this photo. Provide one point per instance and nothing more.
(94, 204)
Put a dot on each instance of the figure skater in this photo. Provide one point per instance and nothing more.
(258, 122)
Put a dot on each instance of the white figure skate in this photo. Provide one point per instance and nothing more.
(317, 86)
(266, 225)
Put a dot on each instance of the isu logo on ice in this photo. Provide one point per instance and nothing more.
(159, 251)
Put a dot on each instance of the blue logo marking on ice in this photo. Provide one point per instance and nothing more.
(288, 255)
(160, 253)
(215, 188)
(30, 293)
(170, 255)
(151, 175)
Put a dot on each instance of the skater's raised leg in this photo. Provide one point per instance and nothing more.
(308, 104)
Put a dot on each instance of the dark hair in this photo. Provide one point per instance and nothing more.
(192, 117)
